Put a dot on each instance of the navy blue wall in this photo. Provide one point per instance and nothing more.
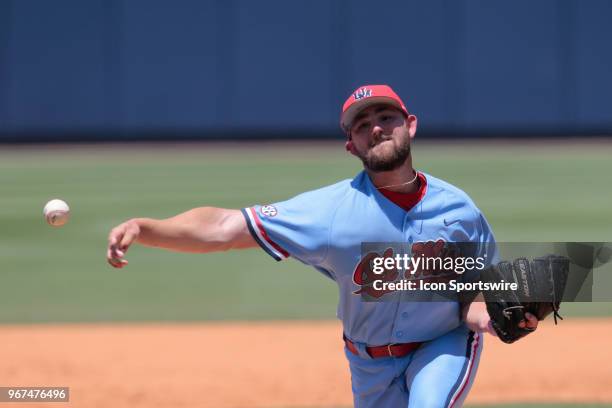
(194, 68)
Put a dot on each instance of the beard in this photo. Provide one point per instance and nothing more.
(383, 158)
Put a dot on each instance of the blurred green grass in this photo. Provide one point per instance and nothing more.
(551, 191)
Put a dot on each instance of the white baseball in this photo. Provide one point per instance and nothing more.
(56, 212)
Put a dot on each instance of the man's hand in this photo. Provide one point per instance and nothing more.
(119, 241)
(477, 318)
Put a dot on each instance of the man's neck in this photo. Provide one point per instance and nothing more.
(397, 180)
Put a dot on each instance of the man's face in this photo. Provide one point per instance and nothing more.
(381, 137)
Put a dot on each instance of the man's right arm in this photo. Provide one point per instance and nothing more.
(200, 230)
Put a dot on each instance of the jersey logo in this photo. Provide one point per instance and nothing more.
(364, 276)
(269, 210)
(439, 249)
(450, 222)
(362, 93)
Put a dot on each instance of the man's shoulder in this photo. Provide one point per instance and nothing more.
(326, 195)
(450, 194)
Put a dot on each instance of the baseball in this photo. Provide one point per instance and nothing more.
(56, 212)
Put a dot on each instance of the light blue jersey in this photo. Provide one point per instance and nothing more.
(325, 228)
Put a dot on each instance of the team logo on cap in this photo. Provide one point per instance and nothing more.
(269, 210)
(362, 93)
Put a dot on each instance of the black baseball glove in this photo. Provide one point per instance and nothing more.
(541, 284)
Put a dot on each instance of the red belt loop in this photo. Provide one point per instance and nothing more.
(396, 350)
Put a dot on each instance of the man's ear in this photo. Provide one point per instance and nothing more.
(411, 121)
(350, 147)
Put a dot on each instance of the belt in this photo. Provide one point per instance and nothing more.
(396, 350)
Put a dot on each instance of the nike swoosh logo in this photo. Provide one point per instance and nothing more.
(448, 223)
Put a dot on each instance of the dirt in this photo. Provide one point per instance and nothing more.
(276, 364)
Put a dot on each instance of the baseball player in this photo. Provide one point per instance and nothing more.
(400, 353)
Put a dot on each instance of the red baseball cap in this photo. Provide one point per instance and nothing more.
(365, 96)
